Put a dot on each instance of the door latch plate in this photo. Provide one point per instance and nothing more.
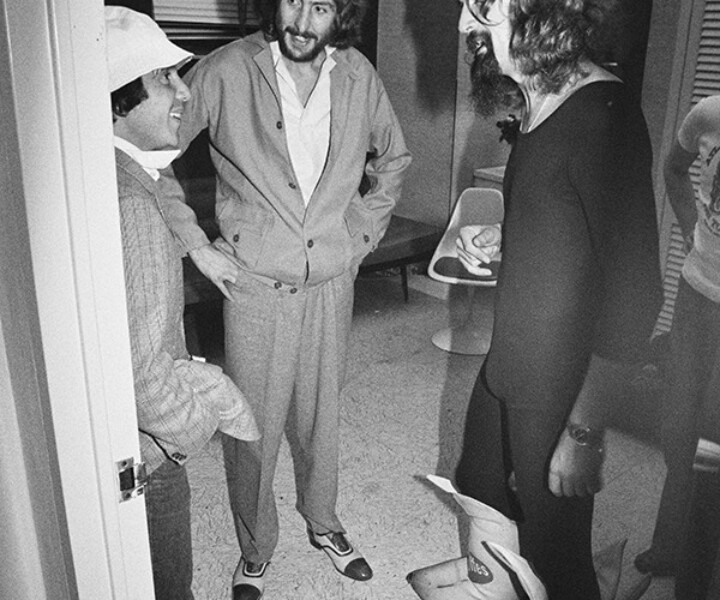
(132, 479)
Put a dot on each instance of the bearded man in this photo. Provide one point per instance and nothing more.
(578, 288)
(296, 118)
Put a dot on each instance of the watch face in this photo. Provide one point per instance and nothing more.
(585, 436)
(581, 435)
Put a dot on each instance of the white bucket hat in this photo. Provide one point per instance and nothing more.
(136, 46)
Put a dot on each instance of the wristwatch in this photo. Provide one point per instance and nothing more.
(586, 436)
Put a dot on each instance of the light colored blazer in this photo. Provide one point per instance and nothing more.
(180, 402)
(264, 224)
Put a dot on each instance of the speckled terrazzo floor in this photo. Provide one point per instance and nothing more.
(402, 417)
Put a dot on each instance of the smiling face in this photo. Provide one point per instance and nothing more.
(153, 124)
(305, 27)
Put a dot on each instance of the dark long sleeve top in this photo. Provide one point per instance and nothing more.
(580, 270)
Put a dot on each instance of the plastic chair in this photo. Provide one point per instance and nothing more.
(476, 206)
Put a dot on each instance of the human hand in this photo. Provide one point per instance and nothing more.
(477, 245)
(216, 266)
(575, 469)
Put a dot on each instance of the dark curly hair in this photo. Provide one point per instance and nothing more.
(124, 99)
(348, 21)
(552, 37)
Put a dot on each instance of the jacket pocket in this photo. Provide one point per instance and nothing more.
(245, 229)
(360, 230)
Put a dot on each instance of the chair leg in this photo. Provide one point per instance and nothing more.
(472, 336)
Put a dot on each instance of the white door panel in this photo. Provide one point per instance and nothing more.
(65, 136)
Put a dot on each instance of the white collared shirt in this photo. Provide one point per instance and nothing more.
(307, 128)
(150, 160)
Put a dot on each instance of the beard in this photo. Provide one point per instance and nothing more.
(490, 89)
(309, 55)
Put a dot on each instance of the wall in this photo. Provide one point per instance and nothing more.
(417, 60)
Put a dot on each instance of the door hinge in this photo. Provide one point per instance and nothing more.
(132, 478)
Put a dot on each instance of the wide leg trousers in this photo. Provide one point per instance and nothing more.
(286, 348)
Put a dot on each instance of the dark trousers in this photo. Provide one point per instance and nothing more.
(689, 410)
(554, 533)
(699, 555)
(167, 503)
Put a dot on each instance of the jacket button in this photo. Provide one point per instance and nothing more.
(292, 186)
(293, 290)
(278, 285)
(178, 456)
(278, 124)
(310, 244)
(366, 238)
(236, 238)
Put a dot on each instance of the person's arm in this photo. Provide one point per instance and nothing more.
(576, 464)
(216, 266)
(178, 215)
(680, 190)
(167, 408)
(614, 188)
(386, 167)
(182, 221)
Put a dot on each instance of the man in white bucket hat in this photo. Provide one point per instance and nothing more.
(181, 402)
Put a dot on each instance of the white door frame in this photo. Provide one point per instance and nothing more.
(59, 81)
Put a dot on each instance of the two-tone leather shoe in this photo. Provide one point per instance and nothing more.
(346, 559)
(249, 580)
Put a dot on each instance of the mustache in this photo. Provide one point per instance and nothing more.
(490, 89)
(292, 30)
(479, 45)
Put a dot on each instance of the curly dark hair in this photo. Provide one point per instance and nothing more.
(552, 37)
(348, 21)
(124, 99)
